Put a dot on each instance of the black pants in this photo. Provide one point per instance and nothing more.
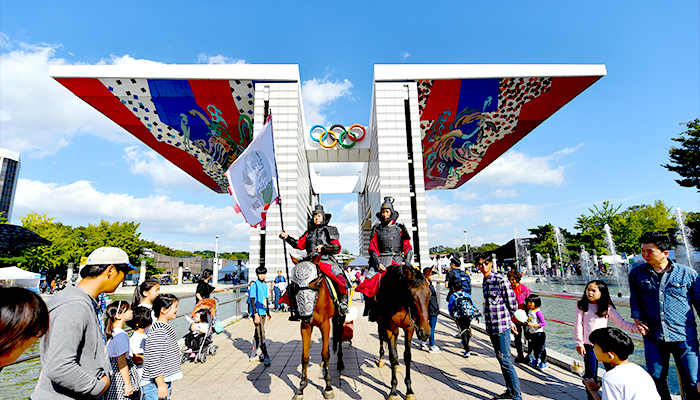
(537, 344)
(519, 340)
(465, 330)
(259, 338)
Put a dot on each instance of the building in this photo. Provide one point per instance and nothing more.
(429, 127)
(9, 174)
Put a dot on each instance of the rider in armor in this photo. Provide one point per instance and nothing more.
(323, 239)
(389, 246)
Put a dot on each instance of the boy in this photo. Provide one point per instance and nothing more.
(258, 294)
(462, 310)
(626, 380)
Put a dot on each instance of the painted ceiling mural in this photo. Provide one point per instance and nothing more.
(467, 123)
(199, 125)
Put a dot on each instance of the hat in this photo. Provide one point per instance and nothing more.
(318, 210)
(261, 270)
(388, 204)
(111, 256)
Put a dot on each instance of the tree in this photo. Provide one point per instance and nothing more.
(592, 234)
(62, 250)
(685, 159)
(487, 247)
(638, 220)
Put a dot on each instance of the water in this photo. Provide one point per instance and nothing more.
(588, 269)
(18, 381)
(619, 270)
(563, 253)
(684, 249)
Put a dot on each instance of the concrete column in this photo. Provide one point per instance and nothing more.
(495, 264)
(69, 273)
(549, 262)
(529, 263)
(142, 275)
(179, 275)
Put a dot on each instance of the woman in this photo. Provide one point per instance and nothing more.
(521, 293)
(204, 289)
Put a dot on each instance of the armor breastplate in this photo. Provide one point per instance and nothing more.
(315, 237)
(389, 239)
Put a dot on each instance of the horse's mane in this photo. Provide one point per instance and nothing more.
(394, 289)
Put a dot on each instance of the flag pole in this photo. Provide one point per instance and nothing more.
(279, 202)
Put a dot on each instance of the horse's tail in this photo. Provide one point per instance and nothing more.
(338, 322)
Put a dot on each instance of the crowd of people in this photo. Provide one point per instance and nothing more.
(85, 351)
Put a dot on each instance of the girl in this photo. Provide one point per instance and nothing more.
(23, 319)
(161, 365)
(123, 368)
(521, 293)
(139, 323)
(535, 328)
(145, 293)
(433, 312)
(594, 310)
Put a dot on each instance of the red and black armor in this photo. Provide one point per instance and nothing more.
(390, 242)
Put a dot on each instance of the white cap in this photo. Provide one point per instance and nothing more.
(109, 256)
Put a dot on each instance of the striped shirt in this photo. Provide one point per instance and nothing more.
(499, 303)
(161, 355)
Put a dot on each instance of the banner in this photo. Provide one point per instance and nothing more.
(252, 178)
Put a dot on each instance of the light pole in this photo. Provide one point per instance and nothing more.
(466, 247)
(216, 262)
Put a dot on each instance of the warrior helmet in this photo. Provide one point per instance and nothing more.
(318, 210)
(388, 204)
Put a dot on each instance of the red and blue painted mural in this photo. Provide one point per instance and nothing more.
(467, 123)
(199, 125)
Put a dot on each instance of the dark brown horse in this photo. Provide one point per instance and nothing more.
(402, 299)
(324, 312)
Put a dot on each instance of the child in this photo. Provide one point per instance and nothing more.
(198, 330)
(260, 308)
(594, 310)
(139, 323)
(626, 380)
(462, 310)
(23, 319)
(535, 329)
(161, 364)
(433, 312)
(123, 369)
(145, 293)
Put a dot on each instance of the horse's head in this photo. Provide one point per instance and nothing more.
(420, 291)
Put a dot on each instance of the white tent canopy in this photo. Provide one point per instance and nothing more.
(20, 277)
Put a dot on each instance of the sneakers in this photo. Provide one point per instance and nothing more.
(434, 350)
(266, 361)
(533, 362)
(542, 365)
(467, 354)
(261, 357)
(424, 346)
(521, 360)
(505, 395)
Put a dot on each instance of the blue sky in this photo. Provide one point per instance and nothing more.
(607, 144)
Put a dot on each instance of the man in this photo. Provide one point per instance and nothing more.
(280, 284)
(500, 305)
(73, 352)
(456, 274)
(389, 247)
(322, 238)
(662, 296)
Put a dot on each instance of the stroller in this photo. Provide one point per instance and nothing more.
(199, 345)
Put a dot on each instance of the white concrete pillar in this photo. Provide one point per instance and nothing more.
(69, 273)
(549, 262)
(529, 263)
(142, 274)
(179, 275)
(495, 264)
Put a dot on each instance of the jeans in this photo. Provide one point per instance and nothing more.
(465, 331)
(519, 340)
(433, 322)
(278, 296)
(501, 345)
(657, 354)
(150, 391)
(591, 366)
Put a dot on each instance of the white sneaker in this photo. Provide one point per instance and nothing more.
(424, 346)
(434, 350)
(467, 354)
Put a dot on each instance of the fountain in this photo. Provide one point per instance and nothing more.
(522, 255)
(541, 264)
(563, 253)
(619, 271)
(588, 270)
(684, 248)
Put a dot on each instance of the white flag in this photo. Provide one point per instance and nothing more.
(252, 178)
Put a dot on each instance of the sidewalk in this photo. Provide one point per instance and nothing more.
(435, 376)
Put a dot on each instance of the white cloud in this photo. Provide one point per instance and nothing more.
(465, 195)
(405, 55)
(163, 172)
(503, 193)
(502, 214)
(318, 94)
(441, 210)
(515, 167)
(81, 203)
(218, 59)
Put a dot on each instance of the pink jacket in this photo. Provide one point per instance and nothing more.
(521, 293)
(587, 322)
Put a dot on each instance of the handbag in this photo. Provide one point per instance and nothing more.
(218, 327)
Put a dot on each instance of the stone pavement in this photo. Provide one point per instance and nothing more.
(229, 374)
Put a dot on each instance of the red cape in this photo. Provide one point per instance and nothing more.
(370, 286)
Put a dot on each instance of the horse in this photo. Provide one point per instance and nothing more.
(402, 301)
(324, 311)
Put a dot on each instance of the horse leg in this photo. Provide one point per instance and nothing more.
(407, 360)
(338, 322)
(394, 359)
(326, 356)
(381, 364)
(306, 342)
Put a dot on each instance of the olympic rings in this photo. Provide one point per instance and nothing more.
(338, 136)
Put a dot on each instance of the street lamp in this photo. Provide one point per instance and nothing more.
(466, 247)
(215, 269)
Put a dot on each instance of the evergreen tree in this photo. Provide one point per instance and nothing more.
(685, 159)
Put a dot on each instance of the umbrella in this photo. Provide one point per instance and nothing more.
(14, 239)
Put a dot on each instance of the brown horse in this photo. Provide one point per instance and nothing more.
(402, 302)
(324, 311)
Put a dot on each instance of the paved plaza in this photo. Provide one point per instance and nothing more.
(447, 375)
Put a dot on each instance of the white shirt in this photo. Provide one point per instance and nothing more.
(136, 345)
(628, 382)
(118, 344)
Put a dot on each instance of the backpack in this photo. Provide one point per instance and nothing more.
(464, 307)
(465, 280)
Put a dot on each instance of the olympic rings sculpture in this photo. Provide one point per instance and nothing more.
(338, 135)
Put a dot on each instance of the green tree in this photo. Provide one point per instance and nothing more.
(592, 234)
(637, 220)
(62, 250)
(685, 159)
(487, 247)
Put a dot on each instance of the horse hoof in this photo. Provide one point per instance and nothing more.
(381, 364)
(329, 394)
(411, 396)
(298, 397)
(394, 397)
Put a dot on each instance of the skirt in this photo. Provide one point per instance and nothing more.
(116, 387)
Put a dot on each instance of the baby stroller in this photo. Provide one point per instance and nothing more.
(198, 346)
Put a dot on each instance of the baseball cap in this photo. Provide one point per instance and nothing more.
(111, 256)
